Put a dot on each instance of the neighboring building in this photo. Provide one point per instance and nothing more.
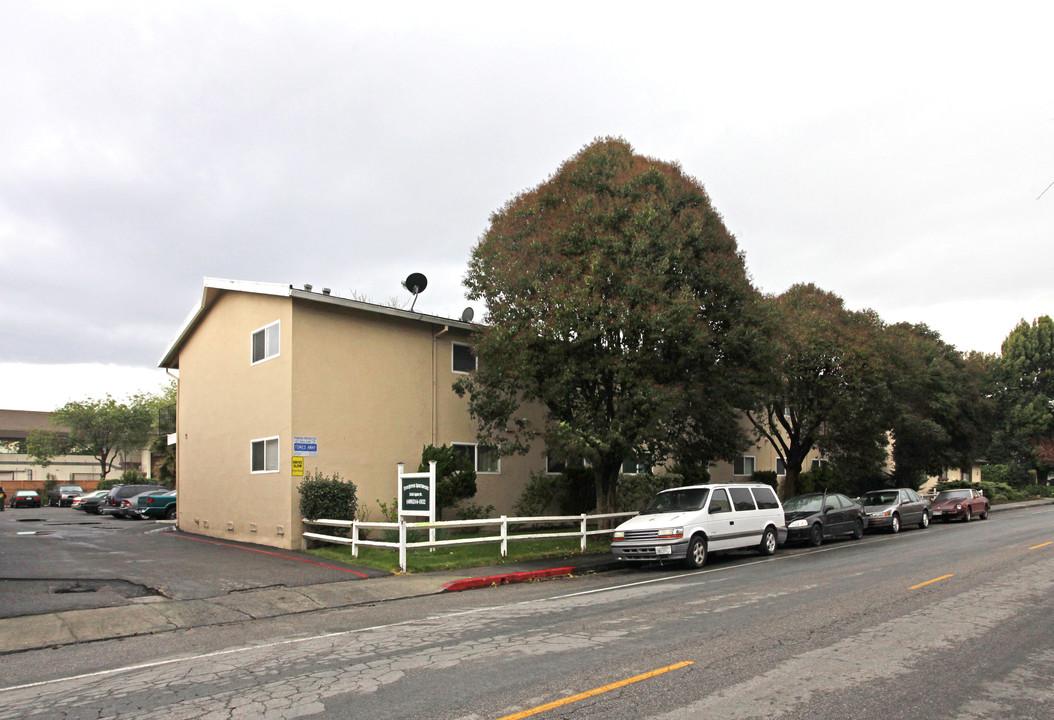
(261, 364)
(18, 471)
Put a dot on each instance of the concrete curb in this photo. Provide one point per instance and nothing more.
(517, 577)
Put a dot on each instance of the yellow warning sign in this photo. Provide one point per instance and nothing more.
(298, 467)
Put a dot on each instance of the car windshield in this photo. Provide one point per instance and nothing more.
(677, 501)
(953, 495)
(803, 503)
(880, 498)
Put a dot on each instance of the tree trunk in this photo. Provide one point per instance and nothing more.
(607, 484)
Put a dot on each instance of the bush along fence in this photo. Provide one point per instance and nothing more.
(503, 536)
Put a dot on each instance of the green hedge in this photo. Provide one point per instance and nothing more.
(329, 497)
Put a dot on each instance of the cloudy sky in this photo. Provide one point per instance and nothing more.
(895, 154)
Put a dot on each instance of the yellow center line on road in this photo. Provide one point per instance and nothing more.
(595, 691)
(929, 582)
(1037, 547)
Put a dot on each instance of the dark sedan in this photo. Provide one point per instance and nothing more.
(963, 504)
(26, 499)
(815, 517)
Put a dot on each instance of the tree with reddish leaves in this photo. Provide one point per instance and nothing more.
(617, 301)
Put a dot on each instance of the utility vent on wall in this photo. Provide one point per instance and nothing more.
(230, 525)
(280, 530)
(252, 527)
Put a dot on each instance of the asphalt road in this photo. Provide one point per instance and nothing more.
(952, 622)
(54, 559)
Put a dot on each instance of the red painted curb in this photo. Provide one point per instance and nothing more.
(490, 580)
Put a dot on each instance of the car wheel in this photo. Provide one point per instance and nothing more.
(768, 542)
(967, 515)
(858, 529)
(984, 513)
(894, 527)
(816, 535)
(925, 521)
(696, 557)
(170, 513)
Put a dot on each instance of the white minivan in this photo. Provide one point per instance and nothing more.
(688, 522)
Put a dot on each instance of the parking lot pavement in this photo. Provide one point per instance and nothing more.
(56, 559)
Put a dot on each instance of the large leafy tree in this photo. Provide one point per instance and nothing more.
(1023, 377)
(618, 301)
(827, 387)
(941, 412)
(100, 428)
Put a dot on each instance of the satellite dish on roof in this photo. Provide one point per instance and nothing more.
(415, 283)
(467, 315)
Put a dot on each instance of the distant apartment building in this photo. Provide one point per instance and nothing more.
(19, 472)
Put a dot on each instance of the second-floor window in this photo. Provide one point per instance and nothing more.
(265, 343)
(464, 360)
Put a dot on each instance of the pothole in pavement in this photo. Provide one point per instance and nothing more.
(76, 586)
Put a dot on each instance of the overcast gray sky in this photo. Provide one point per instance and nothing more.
(894, 154)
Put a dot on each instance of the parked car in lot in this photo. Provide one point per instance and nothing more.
(893, 509)
(89, 502)
(815, 516)
(962, 504)
(160, 504)
(25, 499)
(111, 504)
(686, 523)
(63, 495)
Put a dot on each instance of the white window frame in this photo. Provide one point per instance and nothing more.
(271, 330)
(563, 465)
(639, 468)
(475, 361)
(475, 458)
(743, 459)
(277, 454)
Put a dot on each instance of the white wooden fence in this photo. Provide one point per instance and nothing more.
(504, 536)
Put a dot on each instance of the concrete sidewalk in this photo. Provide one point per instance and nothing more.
(155, 614)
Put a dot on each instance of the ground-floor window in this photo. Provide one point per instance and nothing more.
(483, 458)
(264, 454)
(743, 465)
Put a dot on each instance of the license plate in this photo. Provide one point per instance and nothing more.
(663, 550)
(936, 513)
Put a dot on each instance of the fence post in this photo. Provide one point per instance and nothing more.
(354, 538)
(585, 528)
(504, 536)
(402, 544)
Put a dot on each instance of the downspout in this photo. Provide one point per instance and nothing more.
(435, 384)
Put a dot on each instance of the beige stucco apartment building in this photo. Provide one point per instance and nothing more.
(262, 365)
